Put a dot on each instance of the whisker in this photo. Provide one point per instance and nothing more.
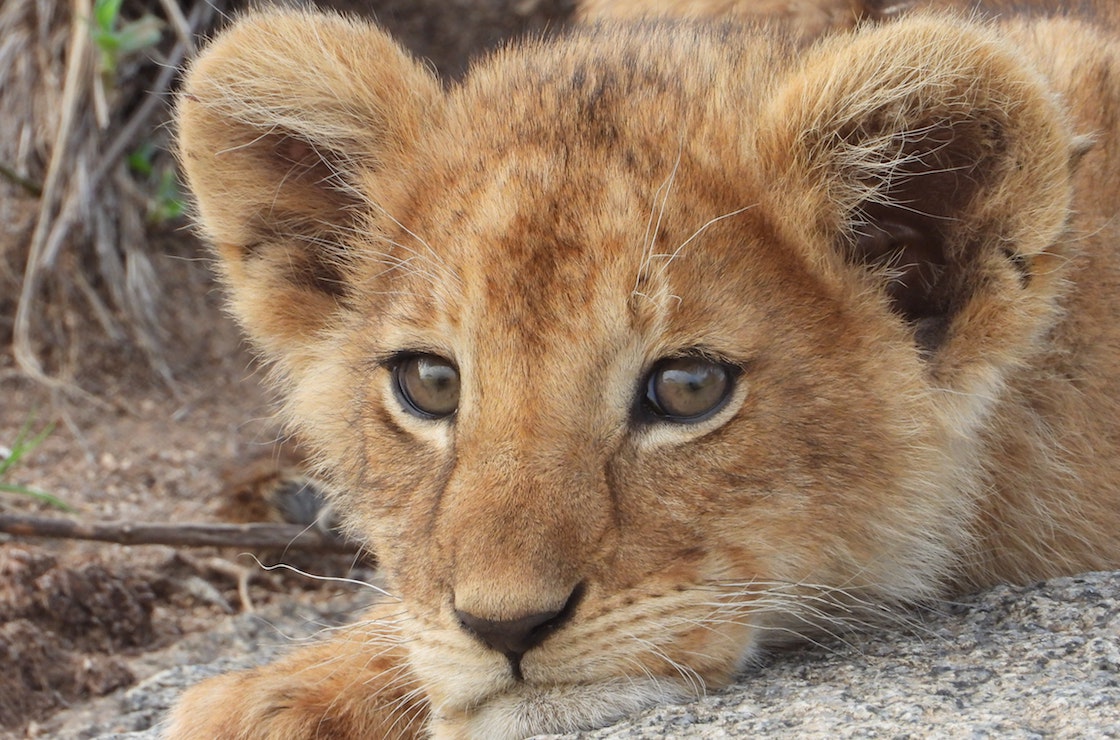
(690, 677)
(327, 579)
(676, 252)
(650, 238)
(435, 256)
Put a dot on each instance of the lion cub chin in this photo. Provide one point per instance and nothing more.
(641, 350)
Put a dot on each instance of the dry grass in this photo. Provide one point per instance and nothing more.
(76, 261)
(87, 288)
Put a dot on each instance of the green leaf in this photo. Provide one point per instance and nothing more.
(107, 41)
(140, 34)
(140, 160)
(46, 498)
(106, 12)
(21, 447)
(168, 201)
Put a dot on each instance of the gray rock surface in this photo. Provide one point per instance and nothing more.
(1018, 662)
(1040, 661)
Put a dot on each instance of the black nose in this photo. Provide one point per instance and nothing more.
(515, 637)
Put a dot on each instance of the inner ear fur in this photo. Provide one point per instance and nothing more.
(279, 120)
(928, 155)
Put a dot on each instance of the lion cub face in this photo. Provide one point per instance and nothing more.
(632, 353)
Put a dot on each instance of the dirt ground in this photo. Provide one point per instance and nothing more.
(79, 620)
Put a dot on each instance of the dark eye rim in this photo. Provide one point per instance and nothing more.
(649, 413)
(395, 365)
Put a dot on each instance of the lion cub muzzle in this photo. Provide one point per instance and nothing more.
(519, 568)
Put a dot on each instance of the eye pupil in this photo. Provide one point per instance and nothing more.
(428, 385)
(687, 389)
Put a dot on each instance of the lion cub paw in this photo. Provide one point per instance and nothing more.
(346, 688)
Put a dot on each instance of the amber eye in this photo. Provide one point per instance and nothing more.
(428, 385)
(688, 389)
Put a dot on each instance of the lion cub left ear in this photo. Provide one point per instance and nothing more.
(933, 160)
(282, 120)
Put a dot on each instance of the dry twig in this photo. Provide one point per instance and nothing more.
(251, 536)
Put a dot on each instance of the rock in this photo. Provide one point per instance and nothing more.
(1032, 661)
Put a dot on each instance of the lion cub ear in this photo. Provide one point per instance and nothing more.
(928, 154)
(281, 121)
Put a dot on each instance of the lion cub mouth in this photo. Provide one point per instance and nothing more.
(555, 709)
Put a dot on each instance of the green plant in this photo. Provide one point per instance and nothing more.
(116, 39)
(24, 445)
(166, 203)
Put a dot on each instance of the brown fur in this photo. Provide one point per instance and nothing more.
(904, 236)
(804, 19)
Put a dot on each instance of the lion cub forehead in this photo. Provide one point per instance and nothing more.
(583, 263)
(582, 193)
(538, 236)
(651, 83)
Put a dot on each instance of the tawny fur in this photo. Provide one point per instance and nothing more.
(903, 233)
(804, 19)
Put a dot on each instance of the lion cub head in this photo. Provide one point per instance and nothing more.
(638, 350)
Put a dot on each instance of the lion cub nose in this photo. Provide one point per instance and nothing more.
(515, 637)
(511, 637)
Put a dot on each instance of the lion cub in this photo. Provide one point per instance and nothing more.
(640, 350)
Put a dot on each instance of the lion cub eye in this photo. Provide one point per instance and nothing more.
(688, 389)
(428, 385)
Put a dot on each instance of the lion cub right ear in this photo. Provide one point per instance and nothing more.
(282, 120)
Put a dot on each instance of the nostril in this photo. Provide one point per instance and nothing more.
(511, 637)
(515, 637)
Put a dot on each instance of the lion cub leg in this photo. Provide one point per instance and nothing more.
(354, 685)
